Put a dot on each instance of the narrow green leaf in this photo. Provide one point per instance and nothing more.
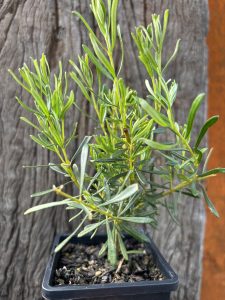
(85, 209)
(76, 171)
(172, 209)
(136, 252)
(154, 197)
(209, 203)
(35, 166)
(122, 247)
(144, 131)
(72, 136)
(165, 22)
(96, 62)
(192, 113)
(42, 193)
(149, 88)
(18, 81)
(155, 115)
(170, 159)
(207, 159)
(47, 205)
(67, 239)
(157, 185)
(41, 142)
(90, 228)
(213, 171)
(141, 220)
(76, 216)
(204, 129)
(122, 50)
(78, 71)
(188, 192)
(76, 13)
(154, 171)
(108, 160)
(83, 162)
(103, 249)
(99, 11)
(113, 19)
(159, 146)
(86, 140)
(129, 204)
(45, 70)
(29, 123)
(93, 179)
(39, 102)
(27, 108)
(157, 28)
(56, 168)
(101, 56)
(135, 233)
(81, 86)
(68, 104)
(173, 55)
(111, 246)
(129, 191)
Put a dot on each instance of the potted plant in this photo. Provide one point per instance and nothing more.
(137, 156)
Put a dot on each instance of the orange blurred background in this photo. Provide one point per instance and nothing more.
(213, 283)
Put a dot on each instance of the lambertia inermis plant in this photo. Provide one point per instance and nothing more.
(139, 152)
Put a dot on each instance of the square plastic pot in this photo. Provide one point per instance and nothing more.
(143, 290)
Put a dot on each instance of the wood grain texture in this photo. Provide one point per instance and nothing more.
(214, 245)
(31, 27)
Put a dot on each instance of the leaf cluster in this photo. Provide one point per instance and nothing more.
(140, 153)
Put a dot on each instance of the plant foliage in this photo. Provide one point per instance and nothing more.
(129, 185)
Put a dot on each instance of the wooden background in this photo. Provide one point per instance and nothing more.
(28, 28)
(213, 284)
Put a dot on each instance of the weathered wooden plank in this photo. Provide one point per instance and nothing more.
(31, 27)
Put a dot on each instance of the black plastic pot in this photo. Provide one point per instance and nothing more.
(144, 290)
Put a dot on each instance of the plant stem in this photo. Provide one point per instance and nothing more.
(184, 142)
(186, 183)
(67, 167)
(92, 207)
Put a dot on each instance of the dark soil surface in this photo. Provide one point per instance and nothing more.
(80, 264)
